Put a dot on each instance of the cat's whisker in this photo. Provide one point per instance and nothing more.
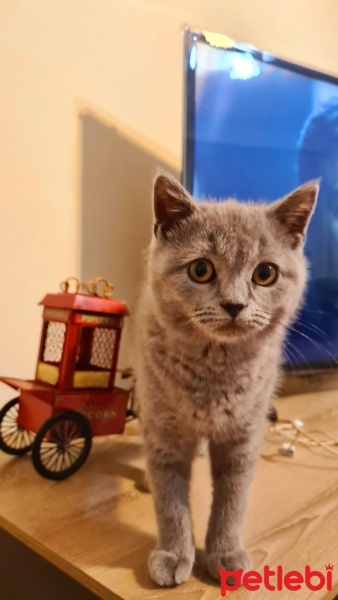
(325, 337)
(288, 358)
(210, 319)
(317, 345)
(213, 320)
(259, 314)
(259, 321)
(205, 319)
(316, 329)
(202, 315)
(294, 352)
(311, 326)
(204, 310)
(317, 312)
(260, 318)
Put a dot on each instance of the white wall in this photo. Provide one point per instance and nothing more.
(120, 60)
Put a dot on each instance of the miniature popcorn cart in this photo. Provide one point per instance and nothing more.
(73, 396)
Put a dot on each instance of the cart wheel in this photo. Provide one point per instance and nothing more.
(62, 445)
(13, 438)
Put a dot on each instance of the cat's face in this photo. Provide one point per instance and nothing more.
(227, 270)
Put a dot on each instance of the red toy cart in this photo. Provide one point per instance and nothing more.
(73, 396)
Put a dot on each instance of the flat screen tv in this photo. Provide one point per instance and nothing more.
(255, 128)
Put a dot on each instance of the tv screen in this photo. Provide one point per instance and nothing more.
(255, 128)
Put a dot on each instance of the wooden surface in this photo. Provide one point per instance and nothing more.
(99, 528)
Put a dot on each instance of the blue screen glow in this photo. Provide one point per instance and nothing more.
(256, 129)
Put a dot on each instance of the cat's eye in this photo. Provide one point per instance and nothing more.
(265, 274)
(201, 270)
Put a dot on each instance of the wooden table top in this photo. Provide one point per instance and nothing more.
(99, 528)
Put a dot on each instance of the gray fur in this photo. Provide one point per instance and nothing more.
(200, 373)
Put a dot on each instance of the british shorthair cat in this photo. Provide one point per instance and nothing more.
(223, 282)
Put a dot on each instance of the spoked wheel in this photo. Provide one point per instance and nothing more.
(13, 438)
(62, 445)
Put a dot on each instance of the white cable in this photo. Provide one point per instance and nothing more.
(293, 431)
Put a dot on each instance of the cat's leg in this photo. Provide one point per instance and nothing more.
(232, 469)
(169, 467)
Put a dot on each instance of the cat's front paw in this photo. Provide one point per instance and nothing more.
(229, 561)
(168, 568)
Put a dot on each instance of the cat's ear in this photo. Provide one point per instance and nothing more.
(172, 204)
(293, 212)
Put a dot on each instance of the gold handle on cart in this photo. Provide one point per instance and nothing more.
(91, 287)
(107, 291)
(65, 285)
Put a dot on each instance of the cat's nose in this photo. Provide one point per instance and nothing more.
(233, 309)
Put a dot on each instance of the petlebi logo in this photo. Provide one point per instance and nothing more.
(277, 579)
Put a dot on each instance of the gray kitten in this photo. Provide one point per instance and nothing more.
(224, 280)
